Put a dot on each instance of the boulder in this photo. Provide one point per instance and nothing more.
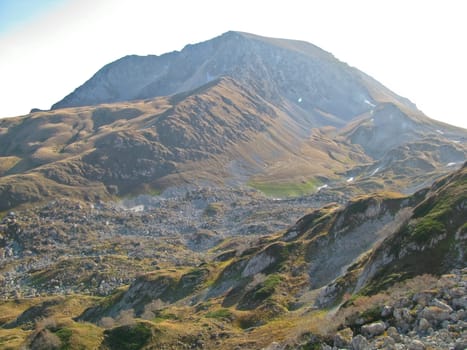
(423, 298)
(359, 342)
(461, 344)
(441, 305)
(423, 325)
(460, 303)
(343, 338)
(373, 329)
(386, 311)
(434, 313)
(394, 334)
(416, 345)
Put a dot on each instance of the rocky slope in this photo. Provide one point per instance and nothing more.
(366, 262)
(300, 74)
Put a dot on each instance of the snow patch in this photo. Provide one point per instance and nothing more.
(350, 179)
(321, 187)
(299, 100)
(369, 103)
(137, 208)
(439, 132)
(451, 164)
(374, 171)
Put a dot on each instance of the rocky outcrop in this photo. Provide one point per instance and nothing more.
(430, 320)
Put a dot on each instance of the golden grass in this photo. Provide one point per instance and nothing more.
(6, 163)
(12, 338)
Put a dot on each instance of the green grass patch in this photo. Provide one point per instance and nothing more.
(427, 228)
(285, 189)
(65, 336)
(128, 337)
(220, 313)
(268, 287)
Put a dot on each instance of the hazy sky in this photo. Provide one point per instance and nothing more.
(416, 48)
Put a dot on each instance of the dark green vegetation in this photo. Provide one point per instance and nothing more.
(131, 337)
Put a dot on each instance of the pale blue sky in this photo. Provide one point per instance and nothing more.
(14, 13)
(416, 48)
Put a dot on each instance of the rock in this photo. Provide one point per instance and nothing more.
(402, 315)
(402, 319)
(461, 344)
(423, 325)
(444, 335)
(423, 298)
(402, 303)
(460, 315)
(273, 346)
(343, 338)
(394, 334)
(434, 313)
(359, 342)
(386, 343)
(416, 345)
(460, 303)
(374, 329)
(386, 311)
(441, 305)
(456, 292)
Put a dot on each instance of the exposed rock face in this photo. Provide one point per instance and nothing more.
(298, 72)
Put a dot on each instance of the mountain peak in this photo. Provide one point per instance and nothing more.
(296, 70)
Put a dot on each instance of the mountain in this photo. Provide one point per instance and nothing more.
(294, 73)
(243, 193)
(282, 116)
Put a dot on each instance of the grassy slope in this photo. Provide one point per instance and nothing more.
(184, 138)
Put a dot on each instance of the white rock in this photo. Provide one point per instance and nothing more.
(441, 305)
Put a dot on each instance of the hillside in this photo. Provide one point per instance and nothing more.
(281, 116)
(339, 274)
(219, 134)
